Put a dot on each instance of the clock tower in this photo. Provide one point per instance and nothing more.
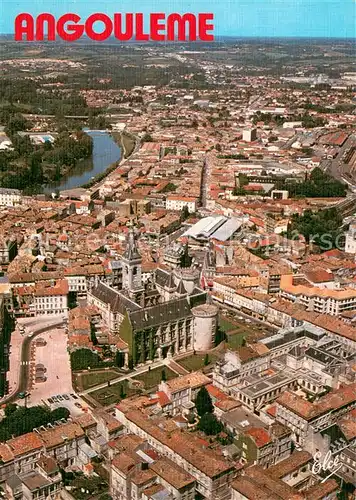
(131, 266)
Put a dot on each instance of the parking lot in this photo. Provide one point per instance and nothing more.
(52, 354)
(74, 403)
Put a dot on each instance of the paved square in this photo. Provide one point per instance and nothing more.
(55, 358)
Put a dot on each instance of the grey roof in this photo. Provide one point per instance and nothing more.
(14, 482)
(161, 313)
(218, 227)
(170, 282)
(161, 277)
(180, 289)
(227, 229)
(118, 302)
(162, 495)
(205, 227)
(87, 450)
(324, 357)
(10, 191)
(116, 264)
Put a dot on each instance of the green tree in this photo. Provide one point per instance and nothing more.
(220, 335)
(15, 124)
(120, 359)
(122, 392)
(206, 360)
(72, 300)
(186, 259)
(82, 358)
(210, 425)
(169, 188)
(203, 402)
(24, 420)
(185, 213)
(10, 408)
(163, 375)
(322, 228)
(147, 138)
(59, 414)
(93, 337)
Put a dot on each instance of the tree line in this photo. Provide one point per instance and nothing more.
(20, 420)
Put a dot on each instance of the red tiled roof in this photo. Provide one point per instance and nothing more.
(163, 399)
(259, 435)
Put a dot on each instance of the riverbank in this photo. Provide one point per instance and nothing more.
(126, 141)
(101, 176)
(106, 155)
(31, 167)
(111, 149)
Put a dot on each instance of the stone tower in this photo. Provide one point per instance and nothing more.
(131, 266)
(205, 321)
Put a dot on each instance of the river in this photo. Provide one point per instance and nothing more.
(105, 152)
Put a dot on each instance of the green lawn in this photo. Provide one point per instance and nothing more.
(226, 325)
(195, 361)
(88, 380)
(235, 340)
(153, 377)
(111, 395)
(235, 331)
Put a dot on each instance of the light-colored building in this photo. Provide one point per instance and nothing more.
(51, 298)
(135, 475)
(249, 135)
(323, 300)
(350, 240)
(237, 365)
(61, 442)
(10, 197)
(179, 202)
(183, 390)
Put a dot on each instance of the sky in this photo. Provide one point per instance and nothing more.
(256, 18)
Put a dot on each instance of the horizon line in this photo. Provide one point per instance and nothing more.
(310, 37)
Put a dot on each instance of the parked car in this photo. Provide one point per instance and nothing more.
(66, 396)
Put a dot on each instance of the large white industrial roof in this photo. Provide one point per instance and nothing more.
(219, 227)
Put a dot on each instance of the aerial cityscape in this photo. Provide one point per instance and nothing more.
(178, 269)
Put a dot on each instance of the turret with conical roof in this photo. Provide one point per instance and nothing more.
(181, 289)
